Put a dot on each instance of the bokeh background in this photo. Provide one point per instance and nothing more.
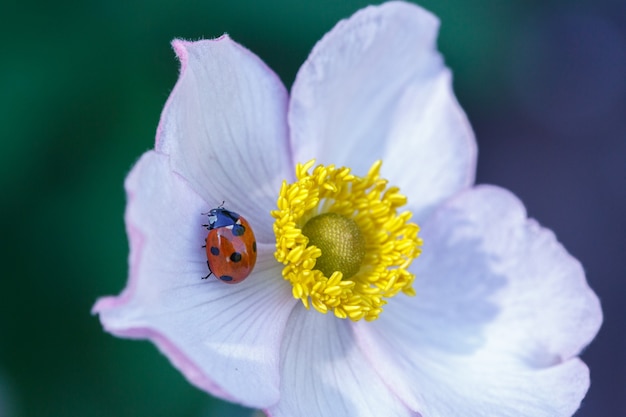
(82, 84)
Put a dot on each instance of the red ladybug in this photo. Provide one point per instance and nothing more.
(230, 246)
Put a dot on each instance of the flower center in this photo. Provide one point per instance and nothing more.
(344, 245)
(340, 240)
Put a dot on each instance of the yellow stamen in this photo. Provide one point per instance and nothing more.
(344, 245)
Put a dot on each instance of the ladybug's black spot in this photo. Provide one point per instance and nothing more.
(226, 278)
(235, 257)
(254, 246)
(238, 230)
(215, 251)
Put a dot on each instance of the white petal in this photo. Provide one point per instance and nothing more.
(500, 314)
(324, 374)
(376, 87)
(225, 128)
(224, 338)
(431, 152)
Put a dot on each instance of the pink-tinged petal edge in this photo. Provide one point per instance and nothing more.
(517, 350)
(177, 358)
(224, 127)
(193, 374)
(132, 313)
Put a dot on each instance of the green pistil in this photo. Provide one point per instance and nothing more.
(341, 242)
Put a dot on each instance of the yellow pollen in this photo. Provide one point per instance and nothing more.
(344, 246)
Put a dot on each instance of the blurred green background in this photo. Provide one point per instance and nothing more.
(82, 86)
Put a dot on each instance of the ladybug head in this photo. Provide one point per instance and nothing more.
(220, 217)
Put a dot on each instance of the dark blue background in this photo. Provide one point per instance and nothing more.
(82, 86)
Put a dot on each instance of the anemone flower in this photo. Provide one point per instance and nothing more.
(386, 283)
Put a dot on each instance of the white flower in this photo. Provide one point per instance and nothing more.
(501, 310)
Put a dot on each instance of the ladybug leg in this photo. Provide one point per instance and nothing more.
(204, 246)
(210, 272)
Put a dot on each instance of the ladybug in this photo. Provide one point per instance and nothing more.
(230, 246)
